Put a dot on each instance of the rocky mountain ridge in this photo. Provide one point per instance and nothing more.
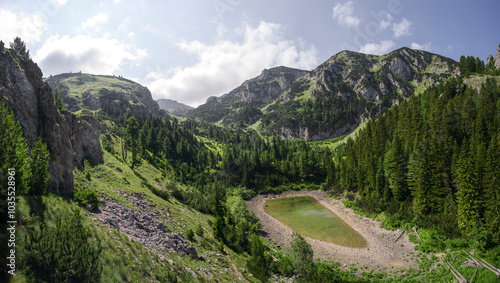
(69, 138)
(331, 100)
(174, 107)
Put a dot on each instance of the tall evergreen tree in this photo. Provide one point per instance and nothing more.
(468, 204)
(13, 155)
(39, 169)
(491, 183)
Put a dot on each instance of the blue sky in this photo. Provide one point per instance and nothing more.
(189, 50)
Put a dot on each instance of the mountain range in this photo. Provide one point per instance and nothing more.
(331, 100)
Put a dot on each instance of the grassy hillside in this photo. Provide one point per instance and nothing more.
(126, 258)
(91, 94)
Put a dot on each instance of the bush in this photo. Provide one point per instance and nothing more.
(87, 196)
(159, 192)
(108, 146)
(64, 253)
(199, 230)
(189, 234)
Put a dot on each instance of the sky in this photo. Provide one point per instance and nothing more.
(189, 50)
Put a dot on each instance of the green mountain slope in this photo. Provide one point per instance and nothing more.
(331, 100)
(244, 103)
(86, 93)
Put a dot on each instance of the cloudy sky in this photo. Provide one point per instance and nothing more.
(189, 50)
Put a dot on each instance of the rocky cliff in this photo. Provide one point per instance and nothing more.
(496, 59)
(69, 138)
(174, 107)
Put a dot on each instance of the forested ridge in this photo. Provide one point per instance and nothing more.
(432, 161)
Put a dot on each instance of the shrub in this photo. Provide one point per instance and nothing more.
(199, 230)
(64, 253)
(87, 196)
(189, 234)
(108, 146)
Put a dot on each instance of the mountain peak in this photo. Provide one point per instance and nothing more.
(174, 107)
(330, 100)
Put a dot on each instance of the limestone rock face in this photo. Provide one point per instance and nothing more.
(489, 59)
(497, 58)
(67, 136)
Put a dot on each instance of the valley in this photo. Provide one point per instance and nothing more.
(401, 149)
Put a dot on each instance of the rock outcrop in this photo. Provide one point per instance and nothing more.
(69, 138)
(495, 59)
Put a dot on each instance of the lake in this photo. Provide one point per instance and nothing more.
(306, 216)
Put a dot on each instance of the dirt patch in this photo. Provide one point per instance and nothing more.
(383, 251)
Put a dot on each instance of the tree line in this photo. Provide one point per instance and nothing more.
(432, 161)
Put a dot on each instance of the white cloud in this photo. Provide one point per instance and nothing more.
(402, 28)
(377, 48)
(343, 14)
(103, 55)
(424, 46)
(61, 2)
(29, 27)
(384, 23)
(95, 21)
(224, 65)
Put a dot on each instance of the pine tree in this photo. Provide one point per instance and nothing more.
(20, 47)
(13, 155)
(39, 179)
(133, 131)
(258, 262)
(468, 204)
(66, 251)
(301, 255)
(491, 183)
(58, 100)
(420, 182)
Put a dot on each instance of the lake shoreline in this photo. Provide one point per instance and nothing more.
(382, 253)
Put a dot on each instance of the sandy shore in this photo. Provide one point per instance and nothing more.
(382, 253)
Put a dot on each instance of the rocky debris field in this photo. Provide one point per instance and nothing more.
(144, 225)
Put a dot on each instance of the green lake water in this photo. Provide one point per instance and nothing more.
(306, 216)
